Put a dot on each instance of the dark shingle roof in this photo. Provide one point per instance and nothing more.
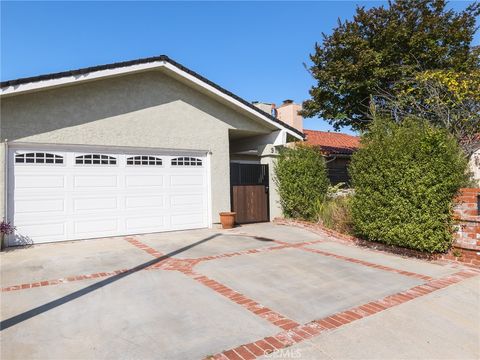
(165, 58)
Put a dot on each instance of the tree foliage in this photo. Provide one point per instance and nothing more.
(382, 46)
(405, 178)
(301, 177)
(446, 98)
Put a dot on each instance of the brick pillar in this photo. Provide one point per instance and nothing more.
(466, 247)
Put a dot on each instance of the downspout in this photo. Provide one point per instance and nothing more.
(6, 175)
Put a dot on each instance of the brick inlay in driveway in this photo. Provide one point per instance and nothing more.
(334, 321)
(67, 279)
(291, 263)
(302, 285)
(147, 314)
(144, 247)
(369, 264)
(249, 304)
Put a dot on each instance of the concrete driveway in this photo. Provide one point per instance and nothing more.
(233, 294)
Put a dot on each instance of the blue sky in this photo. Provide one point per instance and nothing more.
(254, 49)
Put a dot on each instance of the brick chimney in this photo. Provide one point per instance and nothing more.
(288, 113)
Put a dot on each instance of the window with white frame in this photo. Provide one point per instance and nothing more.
(186, 161)
(144, 160)
(38, 158)
(95, 159)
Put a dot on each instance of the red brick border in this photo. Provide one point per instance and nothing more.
(67, 279)
(369, 264)
(467, 256)
(303, 332)
(186, 265)
(281, 245)
(144, 247)
(264, 312)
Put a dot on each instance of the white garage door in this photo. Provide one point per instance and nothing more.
(67, 195)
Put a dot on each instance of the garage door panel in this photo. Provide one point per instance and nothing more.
(145, 201)
(48, 205)
(186, 180)
(133, 181)
(92, 204)
(43, 231)
(33, 181)
(187, 219)
(154, 223)
(181, 200)
(95, 181)
(93, 226)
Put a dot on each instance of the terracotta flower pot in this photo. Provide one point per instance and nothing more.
(227, 219)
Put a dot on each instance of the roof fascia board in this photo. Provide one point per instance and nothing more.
(45, 84)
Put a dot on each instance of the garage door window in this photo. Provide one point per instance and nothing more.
(95, 159)
(38, 158)
(186, 161)
(144, 160)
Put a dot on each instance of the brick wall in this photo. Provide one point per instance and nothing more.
(467, 237)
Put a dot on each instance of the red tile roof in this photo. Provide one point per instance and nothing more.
(332, 142)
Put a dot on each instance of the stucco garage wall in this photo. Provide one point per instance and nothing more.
(2, 178)
(142, 110)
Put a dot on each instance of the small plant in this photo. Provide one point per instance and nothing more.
(5, 229)
(334, 190)
(334, 213)
(457, 253)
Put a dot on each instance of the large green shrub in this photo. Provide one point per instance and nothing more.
(301, 177)
(405, 178)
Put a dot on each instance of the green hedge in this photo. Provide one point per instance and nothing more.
(405, 178)
(301, 177)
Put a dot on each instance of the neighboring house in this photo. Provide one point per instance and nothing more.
(133, 147)
(337, 148)
(475, 166)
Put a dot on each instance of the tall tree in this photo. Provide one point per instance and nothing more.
(447, 99)
(381, 46)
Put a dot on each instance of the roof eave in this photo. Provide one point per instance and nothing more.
(43, 82)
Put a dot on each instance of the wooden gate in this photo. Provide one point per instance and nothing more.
(249, 195)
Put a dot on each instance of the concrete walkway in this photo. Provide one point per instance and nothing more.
(234, 294)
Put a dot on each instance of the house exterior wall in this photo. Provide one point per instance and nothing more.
(145, 110)
(475, 166)
(288, 113)
(269, 155)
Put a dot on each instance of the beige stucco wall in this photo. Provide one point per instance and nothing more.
(269, 156)
(142, 110)
(2, 179)
(288, 113)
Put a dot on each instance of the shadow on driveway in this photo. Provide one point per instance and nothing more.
(14, 320)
